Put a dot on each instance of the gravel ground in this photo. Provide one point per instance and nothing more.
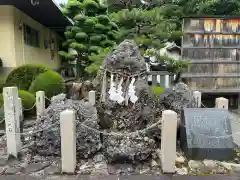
(134, 177)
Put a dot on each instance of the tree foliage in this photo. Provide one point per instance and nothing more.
(62, 5)
(181, 8)
(149, 29)
(92, 34)
(154, 22)
(150, 23)
(209, 7)
(172, 65)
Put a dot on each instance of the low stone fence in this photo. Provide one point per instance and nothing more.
(162, 78)
(219, 102)
(13, 116)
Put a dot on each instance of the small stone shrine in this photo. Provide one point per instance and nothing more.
(206, 134)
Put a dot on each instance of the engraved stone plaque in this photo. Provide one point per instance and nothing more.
(206, 133)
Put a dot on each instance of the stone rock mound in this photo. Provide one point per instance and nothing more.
(137, 141)
(125, 58)
(126, 62)
(48, 142)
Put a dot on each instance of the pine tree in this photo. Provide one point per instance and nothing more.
(150, 30)
(62, 5)
(209, 7)
(90, 38)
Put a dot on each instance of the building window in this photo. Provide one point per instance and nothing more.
(31, 36)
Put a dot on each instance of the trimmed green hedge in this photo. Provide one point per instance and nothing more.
(28, 101)
(50, 82)
(23, 76)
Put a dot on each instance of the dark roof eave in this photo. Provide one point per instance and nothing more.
(60, 30)
(60, 9)
(47, 13)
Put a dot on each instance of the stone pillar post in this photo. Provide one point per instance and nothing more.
(92, 97)
(40, 102)
(198, 97)
(12, 121)
(21, 117)
(222, 103)
(168, 141)
(68, 141)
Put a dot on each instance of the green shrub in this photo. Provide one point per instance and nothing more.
(157, 90)
(2, 79)
(50, 82)
(28, 101)
(23, 76)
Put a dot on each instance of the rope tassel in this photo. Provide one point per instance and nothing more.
(119, 93)
(131, 92)
(112, 91)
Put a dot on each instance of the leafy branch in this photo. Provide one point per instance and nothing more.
(173, 65)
